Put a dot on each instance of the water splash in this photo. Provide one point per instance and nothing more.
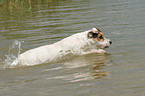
(13, 53)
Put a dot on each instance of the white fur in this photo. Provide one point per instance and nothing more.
(77, 44)
(94, 29)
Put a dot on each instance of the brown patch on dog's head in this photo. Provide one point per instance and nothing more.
(96, 35)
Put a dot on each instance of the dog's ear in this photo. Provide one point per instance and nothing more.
(92, 35)
(98, 29)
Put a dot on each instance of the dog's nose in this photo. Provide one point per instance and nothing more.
(110, 42)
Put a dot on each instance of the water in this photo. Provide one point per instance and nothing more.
(120, 72)
(10, 57)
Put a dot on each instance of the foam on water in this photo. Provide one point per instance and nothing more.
(13, 53)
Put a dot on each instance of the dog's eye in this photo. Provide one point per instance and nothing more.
(101, 37)
(95, 35)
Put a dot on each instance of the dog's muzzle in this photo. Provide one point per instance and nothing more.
(107, 45)
(104, 44)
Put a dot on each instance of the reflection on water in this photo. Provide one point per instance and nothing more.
(97, 73)
(95, 62)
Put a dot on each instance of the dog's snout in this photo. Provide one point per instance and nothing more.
(110, 42)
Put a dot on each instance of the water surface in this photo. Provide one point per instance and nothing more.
(120, 72)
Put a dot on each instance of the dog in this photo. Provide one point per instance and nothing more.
(90, 41)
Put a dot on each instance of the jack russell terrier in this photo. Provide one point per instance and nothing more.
(91, 41)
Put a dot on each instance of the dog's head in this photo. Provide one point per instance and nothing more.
(96, 35)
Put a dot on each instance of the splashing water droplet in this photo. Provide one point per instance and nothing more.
(12, 55)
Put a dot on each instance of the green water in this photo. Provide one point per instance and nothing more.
(120, 72)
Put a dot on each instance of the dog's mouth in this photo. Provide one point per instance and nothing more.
(103, 45)
(106, 47)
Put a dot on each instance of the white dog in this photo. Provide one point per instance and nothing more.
(91, 41)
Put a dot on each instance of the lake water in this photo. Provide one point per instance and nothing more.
(120, 72)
